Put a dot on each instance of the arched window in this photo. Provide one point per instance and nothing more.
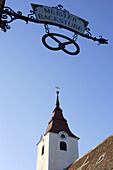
(42, 150)
(63, 146)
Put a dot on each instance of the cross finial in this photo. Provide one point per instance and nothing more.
(57, 87)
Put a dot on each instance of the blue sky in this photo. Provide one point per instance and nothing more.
(29, 73)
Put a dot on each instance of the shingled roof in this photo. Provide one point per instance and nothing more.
(99, 158)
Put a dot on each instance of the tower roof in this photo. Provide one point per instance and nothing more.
(58, 122)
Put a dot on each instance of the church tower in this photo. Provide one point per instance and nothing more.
(58, 147)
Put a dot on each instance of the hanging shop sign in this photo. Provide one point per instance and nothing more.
(59, 17)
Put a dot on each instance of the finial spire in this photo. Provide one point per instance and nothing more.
(57, 101)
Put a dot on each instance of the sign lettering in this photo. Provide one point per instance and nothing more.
(58, 17)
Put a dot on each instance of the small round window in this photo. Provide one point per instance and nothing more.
(63, 135)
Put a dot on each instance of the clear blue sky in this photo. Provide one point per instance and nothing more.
(29, 73)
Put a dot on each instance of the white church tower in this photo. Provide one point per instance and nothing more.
(58, 147)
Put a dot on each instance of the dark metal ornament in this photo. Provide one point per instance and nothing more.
(61, 45)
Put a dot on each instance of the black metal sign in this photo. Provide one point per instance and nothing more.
(57, 16)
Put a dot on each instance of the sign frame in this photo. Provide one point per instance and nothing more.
(58, 17)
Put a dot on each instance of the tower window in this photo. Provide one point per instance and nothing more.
(63, 136)
(101, 158)
(63, 146)
(42, 150)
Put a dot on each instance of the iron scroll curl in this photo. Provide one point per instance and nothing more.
(61, 45)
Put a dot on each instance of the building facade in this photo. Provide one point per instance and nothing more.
(58, 147)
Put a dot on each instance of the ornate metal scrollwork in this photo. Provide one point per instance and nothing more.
(31, 15)
(102, 40)
(60, 7)
(88, 32)
(4, 26)
(7, 15)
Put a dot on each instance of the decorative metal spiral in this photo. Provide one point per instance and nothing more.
(88, 32)
(9, 15)
(31, 14)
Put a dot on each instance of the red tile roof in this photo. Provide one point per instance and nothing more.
(99, 158)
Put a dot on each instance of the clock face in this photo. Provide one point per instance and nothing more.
(63, 135)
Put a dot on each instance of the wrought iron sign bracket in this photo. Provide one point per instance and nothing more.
(7, 15)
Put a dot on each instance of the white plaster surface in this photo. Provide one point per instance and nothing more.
(54, 158)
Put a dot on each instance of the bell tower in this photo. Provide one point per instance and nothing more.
(58, 147)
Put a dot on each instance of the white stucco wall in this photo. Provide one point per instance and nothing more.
(42, 160)
(60, 159)
(54, 158)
